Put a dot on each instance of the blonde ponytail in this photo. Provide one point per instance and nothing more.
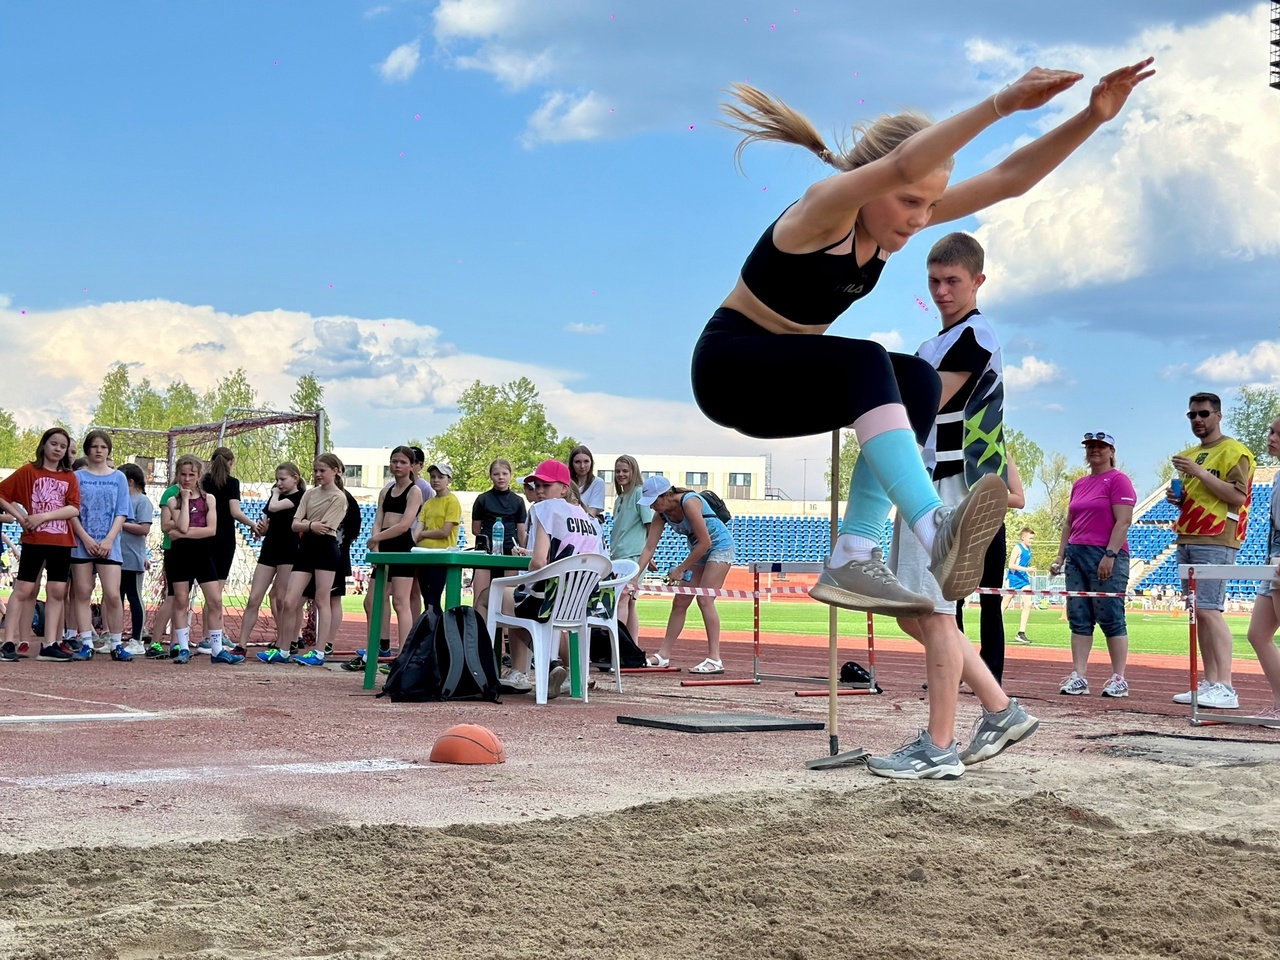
(763, 117)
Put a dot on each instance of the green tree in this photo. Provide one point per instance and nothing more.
(113, 399)
(1249, 419)
(1027, 454)
(13, 451)
(507, 421)
(300, 439)
(849, 451)
(1057, 474)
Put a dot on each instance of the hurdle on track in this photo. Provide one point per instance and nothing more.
(1220, 571)
(755, 595)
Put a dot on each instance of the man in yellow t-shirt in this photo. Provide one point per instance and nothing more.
(1217, 488)
(438, 523)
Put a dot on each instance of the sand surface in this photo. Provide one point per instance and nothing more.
(1173, 858)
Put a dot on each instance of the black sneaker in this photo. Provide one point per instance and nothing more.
(328, 649)
(55, 653)
(384, 647)
(9, 653)
(156, 651)
(1022, 638)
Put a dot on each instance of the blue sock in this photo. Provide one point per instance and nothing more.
(868, 505)
(895, 460)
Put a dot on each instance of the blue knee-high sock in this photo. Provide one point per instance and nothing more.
(895, 460)
(868, 505)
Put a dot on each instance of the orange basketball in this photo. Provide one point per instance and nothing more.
(468, 743)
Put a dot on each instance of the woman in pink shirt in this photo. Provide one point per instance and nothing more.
(1095, 554)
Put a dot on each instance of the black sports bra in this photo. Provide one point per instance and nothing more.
(396, 502)
(811, 289)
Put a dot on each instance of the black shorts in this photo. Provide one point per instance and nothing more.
(318, 551)
(190, 560)
(278, 551)
(339, 588)
(224, 555)
(55, 560)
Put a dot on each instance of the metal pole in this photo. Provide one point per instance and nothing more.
(833, 668)
(320, 430)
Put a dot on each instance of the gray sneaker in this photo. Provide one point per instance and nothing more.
(964, 533)
(920, 759)
(868, 585)
(557, 679)
(992, 732)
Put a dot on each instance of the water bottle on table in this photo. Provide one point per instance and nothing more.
(497, 540)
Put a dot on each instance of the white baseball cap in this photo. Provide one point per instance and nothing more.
(653, 488)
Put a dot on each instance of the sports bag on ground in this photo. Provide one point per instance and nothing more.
(450, 657)
(630, 655)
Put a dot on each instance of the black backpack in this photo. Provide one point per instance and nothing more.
(712, 500)
(449, 657)
(630, 655)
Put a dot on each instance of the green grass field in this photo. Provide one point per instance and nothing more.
(1149, 632)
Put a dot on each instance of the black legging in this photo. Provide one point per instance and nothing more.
(431, 582)
(991, 617)
(130, 584)
(772, 385)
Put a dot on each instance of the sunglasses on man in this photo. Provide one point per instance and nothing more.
(1202, 414)
(1097, 436)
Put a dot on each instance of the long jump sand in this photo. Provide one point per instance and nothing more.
(251, 820)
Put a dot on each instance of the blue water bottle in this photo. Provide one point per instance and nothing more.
(1176, 486)
(497, 539)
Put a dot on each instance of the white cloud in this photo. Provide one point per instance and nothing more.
(889, 339)
(376, 12)
(1185, 173)
(1261, 363)
(473, 19)
(402, 62)
(585, 328)
(563, 117)
(513, 69)
(1034, 372)
(384, 379)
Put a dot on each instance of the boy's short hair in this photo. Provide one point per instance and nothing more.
(1026, 530)
(960, 249)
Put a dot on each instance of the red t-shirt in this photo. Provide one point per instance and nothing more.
(43, 491)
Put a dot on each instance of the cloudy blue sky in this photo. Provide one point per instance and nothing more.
(406, 196)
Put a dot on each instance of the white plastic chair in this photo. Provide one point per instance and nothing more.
(624, 571)
(578, 576)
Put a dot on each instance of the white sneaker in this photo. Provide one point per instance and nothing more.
(515, 681)
(135, 648)
(1117, 686)
(1074, 686)
(1201, 690)
(1220, 697)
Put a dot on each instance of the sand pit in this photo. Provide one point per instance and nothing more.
(808, 874)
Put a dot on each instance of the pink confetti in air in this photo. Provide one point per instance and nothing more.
(402, 153)
(764, 189)
(862, 101)
(773, 26)
(331, 286)
(417, 116)
(611, 111)
(277, 63)
(24, 313)
(690, 127)
(593, 293)
(923, 305)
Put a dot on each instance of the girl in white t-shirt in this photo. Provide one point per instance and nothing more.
(563, 529)
(588, 487)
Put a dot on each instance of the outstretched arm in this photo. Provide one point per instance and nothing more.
(1024, 168)
(829, 205)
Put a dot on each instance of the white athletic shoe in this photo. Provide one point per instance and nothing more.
(1203, 688)
(1220, 697)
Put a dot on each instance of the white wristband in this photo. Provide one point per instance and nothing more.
(995, 105)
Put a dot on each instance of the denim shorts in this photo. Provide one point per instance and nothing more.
(1083, 613)
(1209, 593)
(1265, 588)
(723, 555)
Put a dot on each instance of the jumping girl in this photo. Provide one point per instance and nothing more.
(711, 550)
(398, 507)
(104, 508)
(277, 556)
(588, 487)
(190, 518)
(823, 253)
(317, 522)
(631, 521)
(43, 495)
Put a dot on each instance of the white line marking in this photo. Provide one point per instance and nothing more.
(75, 717)
(50, 696)
(124, 778)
